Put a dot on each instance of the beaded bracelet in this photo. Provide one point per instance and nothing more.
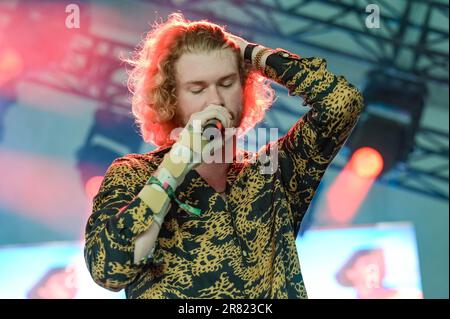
(258, 57)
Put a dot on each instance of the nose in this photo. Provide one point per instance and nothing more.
(214, 96)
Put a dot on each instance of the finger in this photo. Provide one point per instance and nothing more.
(220, 113)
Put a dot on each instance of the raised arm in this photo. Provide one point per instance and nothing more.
(311, 144)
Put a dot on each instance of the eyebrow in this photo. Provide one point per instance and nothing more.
(226, 77)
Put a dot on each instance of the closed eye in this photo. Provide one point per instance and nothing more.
(198, 91)
(226, 85)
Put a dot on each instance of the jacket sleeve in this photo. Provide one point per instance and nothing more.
(118, 217)
(311, 144)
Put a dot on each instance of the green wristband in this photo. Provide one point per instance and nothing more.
(171, 193)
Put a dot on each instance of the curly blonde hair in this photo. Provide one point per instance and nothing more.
(152, 80)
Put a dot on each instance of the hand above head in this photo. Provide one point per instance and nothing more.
(257, 54)
(242, 43)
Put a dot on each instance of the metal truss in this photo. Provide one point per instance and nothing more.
(91, 71)
(425, 172)
(412, 38)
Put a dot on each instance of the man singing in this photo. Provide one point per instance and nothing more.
(165, 225)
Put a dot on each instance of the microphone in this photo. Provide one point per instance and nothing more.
(213, 124)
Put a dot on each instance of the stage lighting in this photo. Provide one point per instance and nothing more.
(11, 65)
(367, 162)
(38, 35)
(391, 118)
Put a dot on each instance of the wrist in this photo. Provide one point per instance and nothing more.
(165, 188)
(247, 51)
(156, 199)
(259, 57)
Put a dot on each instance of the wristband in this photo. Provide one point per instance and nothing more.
(170, 192)
(248, 51)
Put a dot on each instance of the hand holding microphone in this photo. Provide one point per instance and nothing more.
(213, 116)
(186, 153)
(212, 119)
(180, 160)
